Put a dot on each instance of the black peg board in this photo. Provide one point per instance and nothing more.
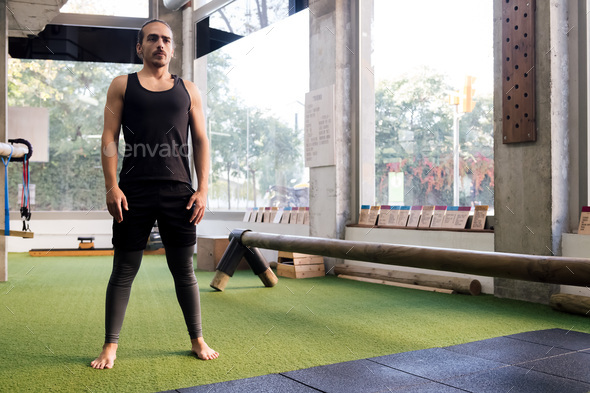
(518, 71)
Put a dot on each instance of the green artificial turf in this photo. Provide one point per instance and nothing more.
(52, 315)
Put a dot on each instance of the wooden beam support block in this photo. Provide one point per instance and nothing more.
(300, 271)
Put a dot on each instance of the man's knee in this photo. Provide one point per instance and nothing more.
(125, 267)
(180, 263)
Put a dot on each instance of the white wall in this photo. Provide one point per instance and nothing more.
(576, 246)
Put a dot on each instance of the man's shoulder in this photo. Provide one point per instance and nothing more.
(192, 89)
(120, 82)
(189, 85)
(118, 87)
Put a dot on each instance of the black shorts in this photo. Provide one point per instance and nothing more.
(164, 201)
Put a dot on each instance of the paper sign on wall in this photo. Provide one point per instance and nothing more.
(450, 215)
(373, 214)
(278, 216)
(402, 218)
(294, 215)
(259, 214)
(461, 217)
(384, 214)
(584, 227)
(266, 214)
(393, 216)
(414, 218)
(426, 216)
(247, 214)
(364, 216)
(319, 127)
(306, 216)
(254, 215)
(286, 216)
(479, 217)
(438, 216)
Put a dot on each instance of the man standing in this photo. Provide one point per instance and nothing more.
(156, 111)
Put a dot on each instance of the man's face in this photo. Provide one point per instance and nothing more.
(156, 47)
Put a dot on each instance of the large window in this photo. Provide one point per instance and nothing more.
(256, 89)
(247, 16)
(428, 54)
(75, 94)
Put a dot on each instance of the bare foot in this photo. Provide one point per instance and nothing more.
(202, 350)
(107, 357)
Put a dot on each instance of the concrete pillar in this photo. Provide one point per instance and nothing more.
(188, 44)
(332, 63)
(532, 179)
(174, 19)
(3, 124)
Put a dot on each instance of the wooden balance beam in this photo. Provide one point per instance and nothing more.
(547, 269)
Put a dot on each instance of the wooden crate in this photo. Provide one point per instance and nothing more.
(210, 249)
(287, 269)
(299, 259)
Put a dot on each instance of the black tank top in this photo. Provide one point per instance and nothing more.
(155, 126)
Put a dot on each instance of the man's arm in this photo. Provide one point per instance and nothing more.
(113, 113)
(200, 153)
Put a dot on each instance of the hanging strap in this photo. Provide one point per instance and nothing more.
(25, 205)
(6, 204)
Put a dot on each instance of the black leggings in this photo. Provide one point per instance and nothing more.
(125, 267)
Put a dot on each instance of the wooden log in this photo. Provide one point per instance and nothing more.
(462, 285)
(268, 278)
(548, 269)
(228, 264)
(219, 281)
(396, 284)
(573, 304)
(260, 267)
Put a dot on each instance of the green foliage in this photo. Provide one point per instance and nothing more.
(245, 17)
(414, 135)
(74, 94)
(251, 149)
(247, 143)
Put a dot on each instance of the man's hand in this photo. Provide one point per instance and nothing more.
(116, 202)
(199, 199)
